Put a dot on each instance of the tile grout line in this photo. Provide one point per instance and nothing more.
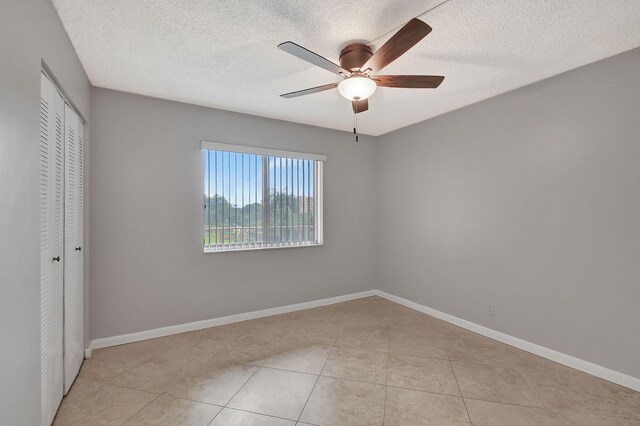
(317, 379)
(460, 390)
(386, 382)
(258, 367)
(233, 396)
(421, 390)
(141, 408)
(510, 403)
(111, 382)
(419, 356)
(382, 385)
(248, 411)
(241, 387)
(518, 368)
(191, 400)
(146, 359)
(349, 379)
(135, 389)
(164, 393)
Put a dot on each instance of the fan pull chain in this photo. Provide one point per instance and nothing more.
(355, 120)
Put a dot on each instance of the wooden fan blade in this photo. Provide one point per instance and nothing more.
(360, 106)
(409, 81)
(406, 37)
(310, 91)
(312, 57)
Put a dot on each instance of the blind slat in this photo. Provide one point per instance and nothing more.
(222, 200)
(305, 194)
(298, 166)
(207, 205)
(280, 197)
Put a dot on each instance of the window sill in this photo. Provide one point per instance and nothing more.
(240, 249)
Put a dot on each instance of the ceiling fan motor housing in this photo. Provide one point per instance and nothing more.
(354, 56)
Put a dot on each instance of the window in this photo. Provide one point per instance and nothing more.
(257, 198)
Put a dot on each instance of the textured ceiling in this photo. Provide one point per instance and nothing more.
(223, 53)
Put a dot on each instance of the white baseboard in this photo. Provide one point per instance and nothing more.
(198, 325)
(88, 351)
(568, 360)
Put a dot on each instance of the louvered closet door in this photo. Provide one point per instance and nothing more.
(51, 248)
(73, 261)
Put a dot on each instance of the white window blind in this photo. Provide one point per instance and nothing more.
(258, 198)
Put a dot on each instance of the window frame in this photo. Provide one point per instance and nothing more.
(320, 159)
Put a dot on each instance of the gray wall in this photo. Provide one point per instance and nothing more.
(148, 269)
(529, 201)
(29, 33)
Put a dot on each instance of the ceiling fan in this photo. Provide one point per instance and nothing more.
(359, 66)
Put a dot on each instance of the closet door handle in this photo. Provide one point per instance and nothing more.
(78, 248)
(56, 259)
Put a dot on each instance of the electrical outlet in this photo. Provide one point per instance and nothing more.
(491, 310)
(260, 296)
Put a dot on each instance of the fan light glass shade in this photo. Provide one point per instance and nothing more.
(357, 88)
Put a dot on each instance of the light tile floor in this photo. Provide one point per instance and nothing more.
(364, 362)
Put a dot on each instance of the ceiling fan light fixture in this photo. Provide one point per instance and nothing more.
(357, 88)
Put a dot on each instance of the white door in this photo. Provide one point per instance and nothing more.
(51, 248)
(73, 259)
